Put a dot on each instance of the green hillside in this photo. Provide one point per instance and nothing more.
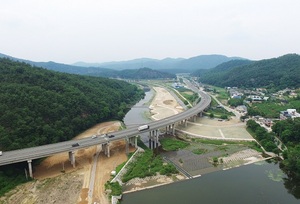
(39, 106)
(142, 73)
(277, 73)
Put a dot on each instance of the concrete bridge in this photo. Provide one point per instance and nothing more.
(130, 136)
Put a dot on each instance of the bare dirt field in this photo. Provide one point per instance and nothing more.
(164, 104)
(214, 129)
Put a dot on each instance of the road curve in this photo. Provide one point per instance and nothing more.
(21, 155)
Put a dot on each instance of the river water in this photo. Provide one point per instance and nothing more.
(260, 183)
(136, 115)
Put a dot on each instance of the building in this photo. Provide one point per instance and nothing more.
(241, 109)
(268, 122)
(289, 113)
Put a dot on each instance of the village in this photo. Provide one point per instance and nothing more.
(248, 97)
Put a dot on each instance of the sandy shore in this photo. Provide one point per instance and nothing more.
(164, 104)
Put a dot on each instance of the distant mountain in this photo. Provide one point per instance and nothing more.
(141, 73)
(170, 65)
(135, 64)
(277, 73)
(204, 62)
(60, 67)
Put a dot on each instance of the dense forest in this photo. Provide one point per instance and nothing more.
(38, 106)
(289, 134)
(222, 68)
(277, 73)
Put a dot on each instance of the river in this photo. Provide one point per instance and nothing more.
(136, 115)
(260, 183)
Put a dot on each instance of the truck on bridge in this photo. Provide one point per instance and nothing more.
(143, 127)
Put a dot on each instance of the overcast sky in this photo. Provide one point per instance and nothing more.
(68, 31)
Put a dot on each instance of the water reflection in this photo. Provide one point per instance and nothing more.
(292, 184)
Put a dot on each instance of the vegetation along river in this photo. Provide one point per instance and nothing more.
(261, 183)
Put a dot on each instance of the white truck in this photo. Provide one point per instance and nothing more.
(143, 127)
(0, 153)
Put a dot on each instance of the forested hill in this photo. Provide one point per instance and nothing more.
(39, 106)
(142, 73)
(224, 67)
(277, 73)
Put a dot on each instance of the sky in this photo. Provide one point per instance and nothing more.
(68, 31)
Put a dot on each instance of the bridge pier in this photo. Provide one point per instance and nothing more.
(173, 129)
(135, 141)
(153, 138)
(72, 158)
(195, 118)
(150, 139)
(127, 145)
(30, 168)
(108, 150)
(156, 138)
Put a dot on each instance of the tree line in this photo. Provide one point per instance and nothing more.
(288, 133)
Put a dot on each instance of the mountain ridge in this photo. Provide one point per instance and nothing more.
(190, 64)
(169, 65)
(277, 73)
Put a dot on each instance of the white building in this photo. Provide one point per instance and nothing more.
(289, 113)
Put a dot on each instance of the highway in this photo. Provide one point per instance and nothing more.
(21, 155)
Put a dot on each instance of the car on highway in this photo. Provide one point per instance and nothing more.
(111, 136)
(0, 153)
(75, 145)
(94, 136)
